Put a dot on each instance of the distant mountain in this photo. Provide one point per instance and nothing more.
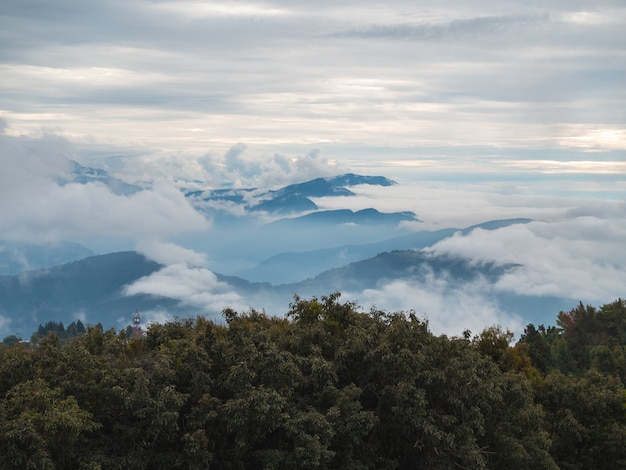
(286, 204)
(350, 179)
(333, 186)
(92, 286)
(17, 257)
(368, 216)
(319, 187)
(296, 197)
(291, 199)
(83, 175)
(232, 195)
(412, 265)
(296, 266)
(496, 224)
(419, 268)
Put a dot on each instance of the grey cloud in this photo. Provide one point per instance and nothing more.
(167, 84)
(233, 155)
(456, 29)
(267, 171)
(129, 24)
(235, 75)
(32, 161)
(234, 162)
(611, 211)
(240, 165)
(282, 163)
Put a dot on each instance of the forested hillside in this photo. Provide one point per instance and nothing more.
(326, 387)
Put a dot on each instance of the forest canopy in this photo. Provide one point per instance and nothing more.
(326, 386)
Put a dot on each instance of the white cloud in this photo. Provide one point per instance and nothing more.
(448, 309)
(239, 166)
(196, 287)
(35, 208)
(441, 204)
(80, 315)
(597, 139)
(582, 258)
(27, 161)
(595, 18)
(196, 10)
(170, 253)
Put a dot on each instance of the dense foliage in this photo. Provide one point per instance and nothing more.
(325, 387)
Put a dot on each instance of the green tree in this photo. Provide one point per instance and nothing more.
(586, 419)
(11, 340)
(42, 428)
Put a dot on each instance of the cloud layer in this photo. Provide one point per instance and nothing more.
(195, 287)
(186, 87)
(580, 258)
(35, 207)
(184, 277)
(448, 309)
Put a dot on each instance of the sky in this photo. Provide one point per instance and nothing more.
(217, 90)
(481, 110)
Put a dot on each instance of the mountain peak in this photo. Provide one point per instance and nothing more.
(351, 179)
(84, 174)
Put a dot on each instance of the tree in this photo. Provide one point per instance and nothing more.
(325, 387)
(41, 426)
(586, 419)
(11, 340)
(537, 347)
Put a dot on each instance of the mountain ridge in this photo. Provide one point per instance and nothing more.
(289, 199)
(94, 286)
(305, 264)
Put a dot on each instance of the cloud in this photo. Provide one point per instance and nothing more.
(581, 258)
(35, 208)
(195, 287)
(443, 205)
(455, 29)
(448, 309)
(170, 253)
(27, 161)
(183, 78)
(234, 162)
(241, 166)
(184, 277)
(195, 10)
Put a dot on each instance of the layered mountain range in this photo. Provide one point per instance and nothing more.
(264, 247)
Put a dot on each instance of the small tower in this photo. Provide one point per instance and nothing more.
(137, 332)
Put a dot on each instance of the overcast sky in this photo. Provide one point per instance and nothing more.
(482, 110)
(402, 87)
